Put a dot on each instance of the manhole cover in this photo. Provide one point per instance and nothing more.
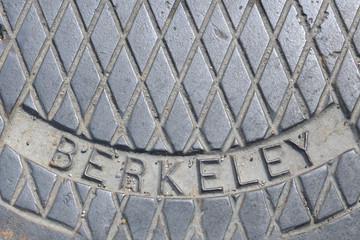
(179, 119)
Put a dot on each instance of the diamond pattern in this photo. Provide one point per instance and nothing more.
(198, 10)
(178, 125)
(123, 9)
(235, 9)
(175, 217)
(273, 83)
(141, 124)
(348, 10)
(179, 37)
(105, 36)
(85, 80)
(216, 126)
(50, 9)
(68, 37)
(217, 37)
(254, 38)
(254, 125)
(311, 82)
(330, 39)
(292, 38)
(292, 115)
(48, 81)
(66, 114)
(160, 81)
(273, 10)
(12, 80)
(122, 81)
(103, 123)
(142, 37)
(236, 82)
(30, 47)
(86, 9)
(198, 82)
(348, 82)
(13, 9)
(161, 9)
(310, 9)
(195, 38)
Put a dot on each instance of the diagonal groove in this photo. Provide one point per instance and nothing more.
(235, 122)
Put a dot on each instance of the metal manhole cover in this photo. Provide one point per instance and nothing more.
(179, 119)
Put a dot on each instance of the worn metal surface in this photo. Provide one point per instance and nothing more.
(179, 119)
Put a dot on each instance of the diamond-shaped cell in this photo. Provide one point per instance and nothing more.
(99, 224)
(273, 10)
(198, 10)
(139, 214)
(310, 9)
(236, 82)
(273, 83)
(159, 146)
(179, 37)
(330, 39)
(86, 9)
(292, 38)
(311, 81)
(348, 82)
(12, 80)
(85, 81)
(235, 8)
(103, 123)
(142, 37)
(48, 81)
(294, 213)
(123, 9)
(217, 37)
(30, 46)
(254, 125)
(161, 9)
(178, 126)
(160, 81)
(178, 225)
(10, 172)
(216, 126)
(13, 9)
(66, 114)
(254, 38)
(26, 200)
(198, 82)
(347, 176)
(292, 115)
(253, 209)
(50, 8)
(332, 205)
(64, 209)
(105, 36)
(68, 37)
(122, 81)
(141, 123)
(348, 9)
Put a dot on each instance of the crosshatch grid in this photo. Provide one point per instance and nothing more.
(113, 55)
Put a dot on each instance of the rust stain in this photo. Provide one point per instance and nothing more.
(9, 235)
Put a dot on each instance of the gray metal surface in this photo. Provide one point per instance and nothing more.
(179, 119)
